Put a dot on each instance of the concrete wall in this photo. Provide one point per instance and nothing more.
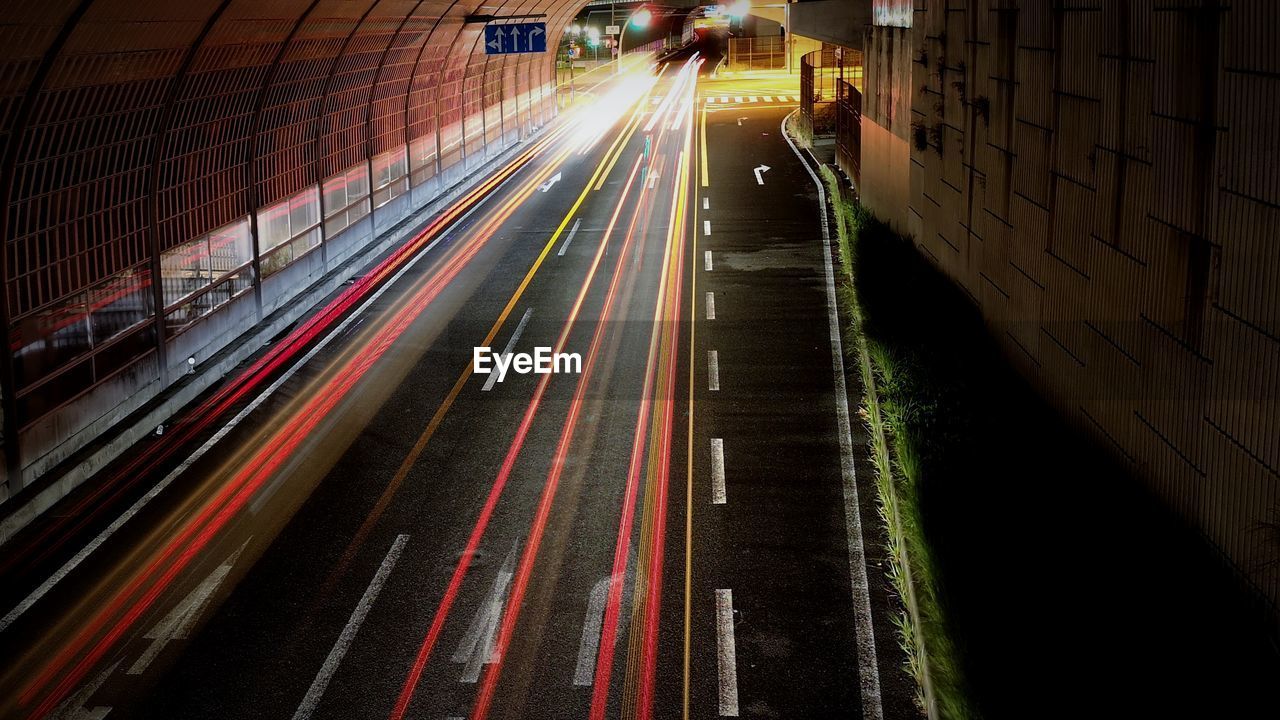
(840, 22)
(1102, 180)
(886, 124)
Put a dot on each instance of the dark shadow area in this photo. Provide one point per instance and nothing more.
(1072, 591)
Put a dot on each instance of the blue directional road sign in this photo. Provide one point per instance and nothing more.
(515, 38)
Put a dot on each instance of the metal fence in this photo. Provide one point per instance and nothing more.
(756, 53)
(821, 74)
(818, 74)
(848, 117)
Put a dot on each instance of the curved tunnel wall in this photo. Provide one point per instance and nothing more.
(172, 172)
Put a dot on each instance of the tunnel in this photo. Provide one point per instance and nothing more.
(175, 173)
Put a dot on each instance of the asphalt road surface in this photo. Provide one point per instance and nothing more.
(669, 528)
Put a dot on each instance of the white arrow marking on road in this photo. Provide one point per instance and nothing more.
(73, 708)
(477, 647)
(653, 179)
(548, 184)
(740, 121)
(584, 673)
(178, 622)
(760, 171)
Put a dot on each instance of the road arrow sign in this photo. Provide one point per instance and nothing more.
(760, 171)
(506, 39)
(547, 185)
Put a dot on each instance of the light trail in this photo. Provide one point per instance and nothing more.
(615, 150)
(198, 532)
(85, 510)
(482, 522)
(538, 527)
(622, 548)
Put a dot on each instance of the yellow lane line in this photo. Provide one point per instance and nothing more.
(688, 488)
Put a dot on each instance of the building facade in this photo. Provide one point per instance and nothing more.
(1101, 179)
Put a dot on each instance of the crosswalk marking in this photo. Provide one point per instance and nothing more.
(750, 99)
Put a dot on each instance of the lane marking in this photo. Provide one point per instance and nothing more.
(718, 494)
(177, 624)
(511, 344)
(704, 167)
(724, 98)
(330, 666)
(76, 706)
(706, 227)
(868, 669)
(738, 99)
(572, 231)
(706, 261)
(726, 654)
(768, 98)
(546, 186)
(688, 463)
(584, 672)
(711, 305)
(706, 203)
(477, 646)
(754, 99)
(713, 370)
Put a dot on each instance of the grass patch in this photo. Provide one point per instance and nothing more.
(901, 407)
(800, 130)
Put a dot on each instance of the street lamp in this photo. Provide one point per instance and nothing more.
(639, 19)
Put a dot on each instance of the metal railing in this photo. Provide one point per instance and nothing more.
(848, 118)
(820, 73)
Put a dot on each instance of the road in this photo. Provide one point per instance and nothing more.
(374, 530)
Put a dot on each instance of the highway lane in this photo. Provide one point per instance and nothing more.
(390, 535)
(773, 568)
